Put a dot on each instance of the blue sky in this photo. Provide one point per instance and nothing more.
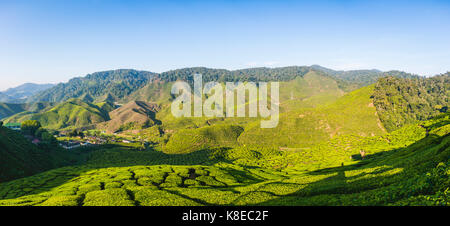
(53, 41)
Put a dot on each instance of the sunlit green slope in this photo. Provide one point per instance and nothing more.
(73, 113)
(407, 167)
(307, 91)
(353, 113)
(311, 90)
(313, 111)
(188, 140)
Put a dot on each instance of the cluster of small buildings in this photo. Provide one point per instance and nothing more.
(95, 140)
(81, 141)
(85, 142)
(69, 144)
(74, 144)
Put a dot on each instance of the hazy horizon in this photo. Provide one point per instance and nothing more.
(52, 41)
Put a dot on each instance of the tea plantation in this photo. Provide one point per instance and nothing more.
(409, 166)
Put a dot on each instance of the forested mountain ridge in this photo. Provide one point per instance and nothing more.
(363, 77)
(401, 101)
(261, 74)
(115, 85)
(301, 86)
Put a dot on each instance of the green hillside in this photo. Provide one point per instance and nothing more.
(189, 140)
(7, 110)
(73, 113)
(407, 167)
(313, 110)
(118, 83)
(311, 90)
(404, 101)
(20, 158)
(308, 90)
(124, 84)
(352, 114)
(305, 92)
(339, 141)
(155, 92)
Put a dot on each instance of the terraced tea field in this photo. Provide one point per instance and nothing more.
(407, 167)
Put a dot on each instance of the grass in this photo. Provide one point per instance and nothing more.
(353, 114)
(189, 140)
(311, 158)
(19, 157)
(71, 114)
(313, 103)
(406, 167)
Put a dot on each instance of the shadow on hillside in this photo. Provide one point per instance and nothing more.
(368, 174)
(112, 155)
(371, 173)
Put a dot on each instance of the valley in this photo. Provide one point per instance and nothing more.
(131, 151)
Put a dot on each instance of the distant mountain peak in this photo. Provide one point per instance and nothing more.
(20, 93)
